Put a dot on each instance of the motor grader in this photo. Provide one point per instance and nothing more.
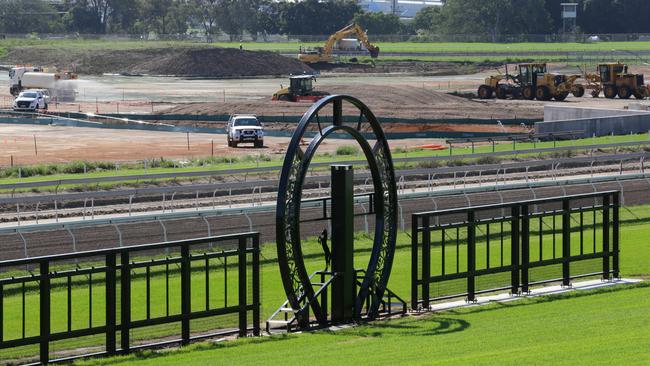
(532, 81)
(613, 79)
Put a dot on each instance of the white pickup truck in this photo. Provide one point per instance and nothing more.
(244, 128)
(31, 100)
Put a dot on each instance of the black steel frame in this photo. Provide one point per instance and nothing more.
(120, 275)
(519, 216)
(295, 278)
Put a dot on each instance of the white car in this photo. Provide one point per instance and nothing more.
(244, 128)
(31, 100)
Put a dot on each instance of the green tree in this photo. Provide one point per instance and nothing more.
(426, 19)
(379, 23)
(207, 12)
(28, 16)
(124, 15)
(166, 16)
(313, 17)
(603, 16)
(494, 18)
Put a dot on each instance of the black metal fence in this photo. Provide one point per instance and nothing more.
(114, 292)
(511, 246)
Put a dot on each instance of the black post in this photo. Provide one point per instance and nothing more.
(514, 250)
(471, 255)
(110, 304)
(186, 294)
(606, 237)
(414, 262)
(615, 235)
(256, 285)
(125, 302)
(343, 286)
(241, 266)
(525, 248)
(426, 261)
(566, 242)
(45, 312)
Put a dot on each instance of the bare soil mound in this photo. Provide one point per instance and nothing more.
(196, 62)
(404, 101)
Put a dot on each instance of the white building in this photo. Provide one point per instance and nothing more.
(403, 8)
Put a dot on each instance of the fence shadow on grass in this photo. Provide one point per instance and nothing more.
(420, 326)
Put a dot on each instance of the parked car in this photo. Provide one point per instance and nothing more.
(244, 128)
(31, 100)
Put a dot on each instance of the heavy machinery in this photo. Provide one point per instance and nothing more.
(613, 79)
(324, 54)
(60, 85)
(300, 89)
(532, 81)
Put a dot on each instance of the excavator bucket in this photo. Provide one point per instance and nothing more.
(374, 52)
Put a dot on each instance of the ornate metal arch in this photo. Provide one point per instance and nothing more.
(296, 163)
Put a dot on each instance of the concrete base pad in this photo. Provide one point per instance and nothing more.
(540, 291)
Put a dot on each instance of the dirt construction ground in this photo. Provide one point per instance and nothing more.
(63, 144)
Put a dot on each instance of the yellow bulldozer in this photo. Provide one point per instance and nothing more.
(613, 79)
(324, 54)
(532, 81)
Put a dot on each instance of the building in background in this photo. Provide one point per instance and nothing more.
(403, 8)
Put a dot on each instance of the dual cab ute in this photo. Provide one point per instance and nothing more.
(31, 100)
(244, 128)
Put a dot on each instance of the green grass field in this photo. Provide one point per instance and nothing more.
(407, 47)
(442, 51)
(633, 263)
(602, 327)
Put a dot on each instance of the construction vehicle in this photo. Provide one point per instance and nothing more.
(613, 79)
(300, 89)
(60, 85)
(532, 81)
(324, 54)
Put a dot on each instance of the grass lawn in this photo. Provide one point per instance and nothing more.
(635, 252)
(431, 47)
(601, 327)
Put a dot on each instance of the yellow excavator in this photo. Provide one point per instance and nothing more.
(324, 54)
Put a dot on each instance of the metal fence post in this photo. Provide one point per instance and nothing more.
(241, 252)
(186, 295)
(426, 261)
(615, 235)
(256, 285)
(110, 304)
(471, 255)
(514, 250)
(44, 289)
(606, 237)
(125, 302)
(525, 247)
(566, 242)
(414, 262)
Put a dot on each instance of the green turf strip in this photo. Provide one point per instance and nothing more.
(599, 327)
(634, 247)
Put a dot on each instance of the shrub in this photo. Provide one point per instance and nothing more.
(347, 150)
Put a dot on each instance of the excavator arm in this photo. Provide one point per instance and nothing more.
(325, 54)
(353, 28)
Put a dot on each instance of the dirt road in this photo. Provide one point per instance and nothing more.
(64, 144)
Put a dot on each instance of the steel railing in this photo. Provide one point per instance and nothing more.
(106, 271)
(473, 250)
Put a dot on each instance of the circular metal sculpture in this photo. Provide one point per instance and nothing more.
(295, 279)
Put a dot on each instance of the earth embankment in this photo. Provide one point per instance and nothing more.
(179, 61)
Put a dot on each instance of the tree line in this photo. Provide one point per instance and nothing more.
(260, 18)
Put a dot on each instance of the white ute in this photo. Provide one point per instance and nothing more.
(31, 100)
(244, 128)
